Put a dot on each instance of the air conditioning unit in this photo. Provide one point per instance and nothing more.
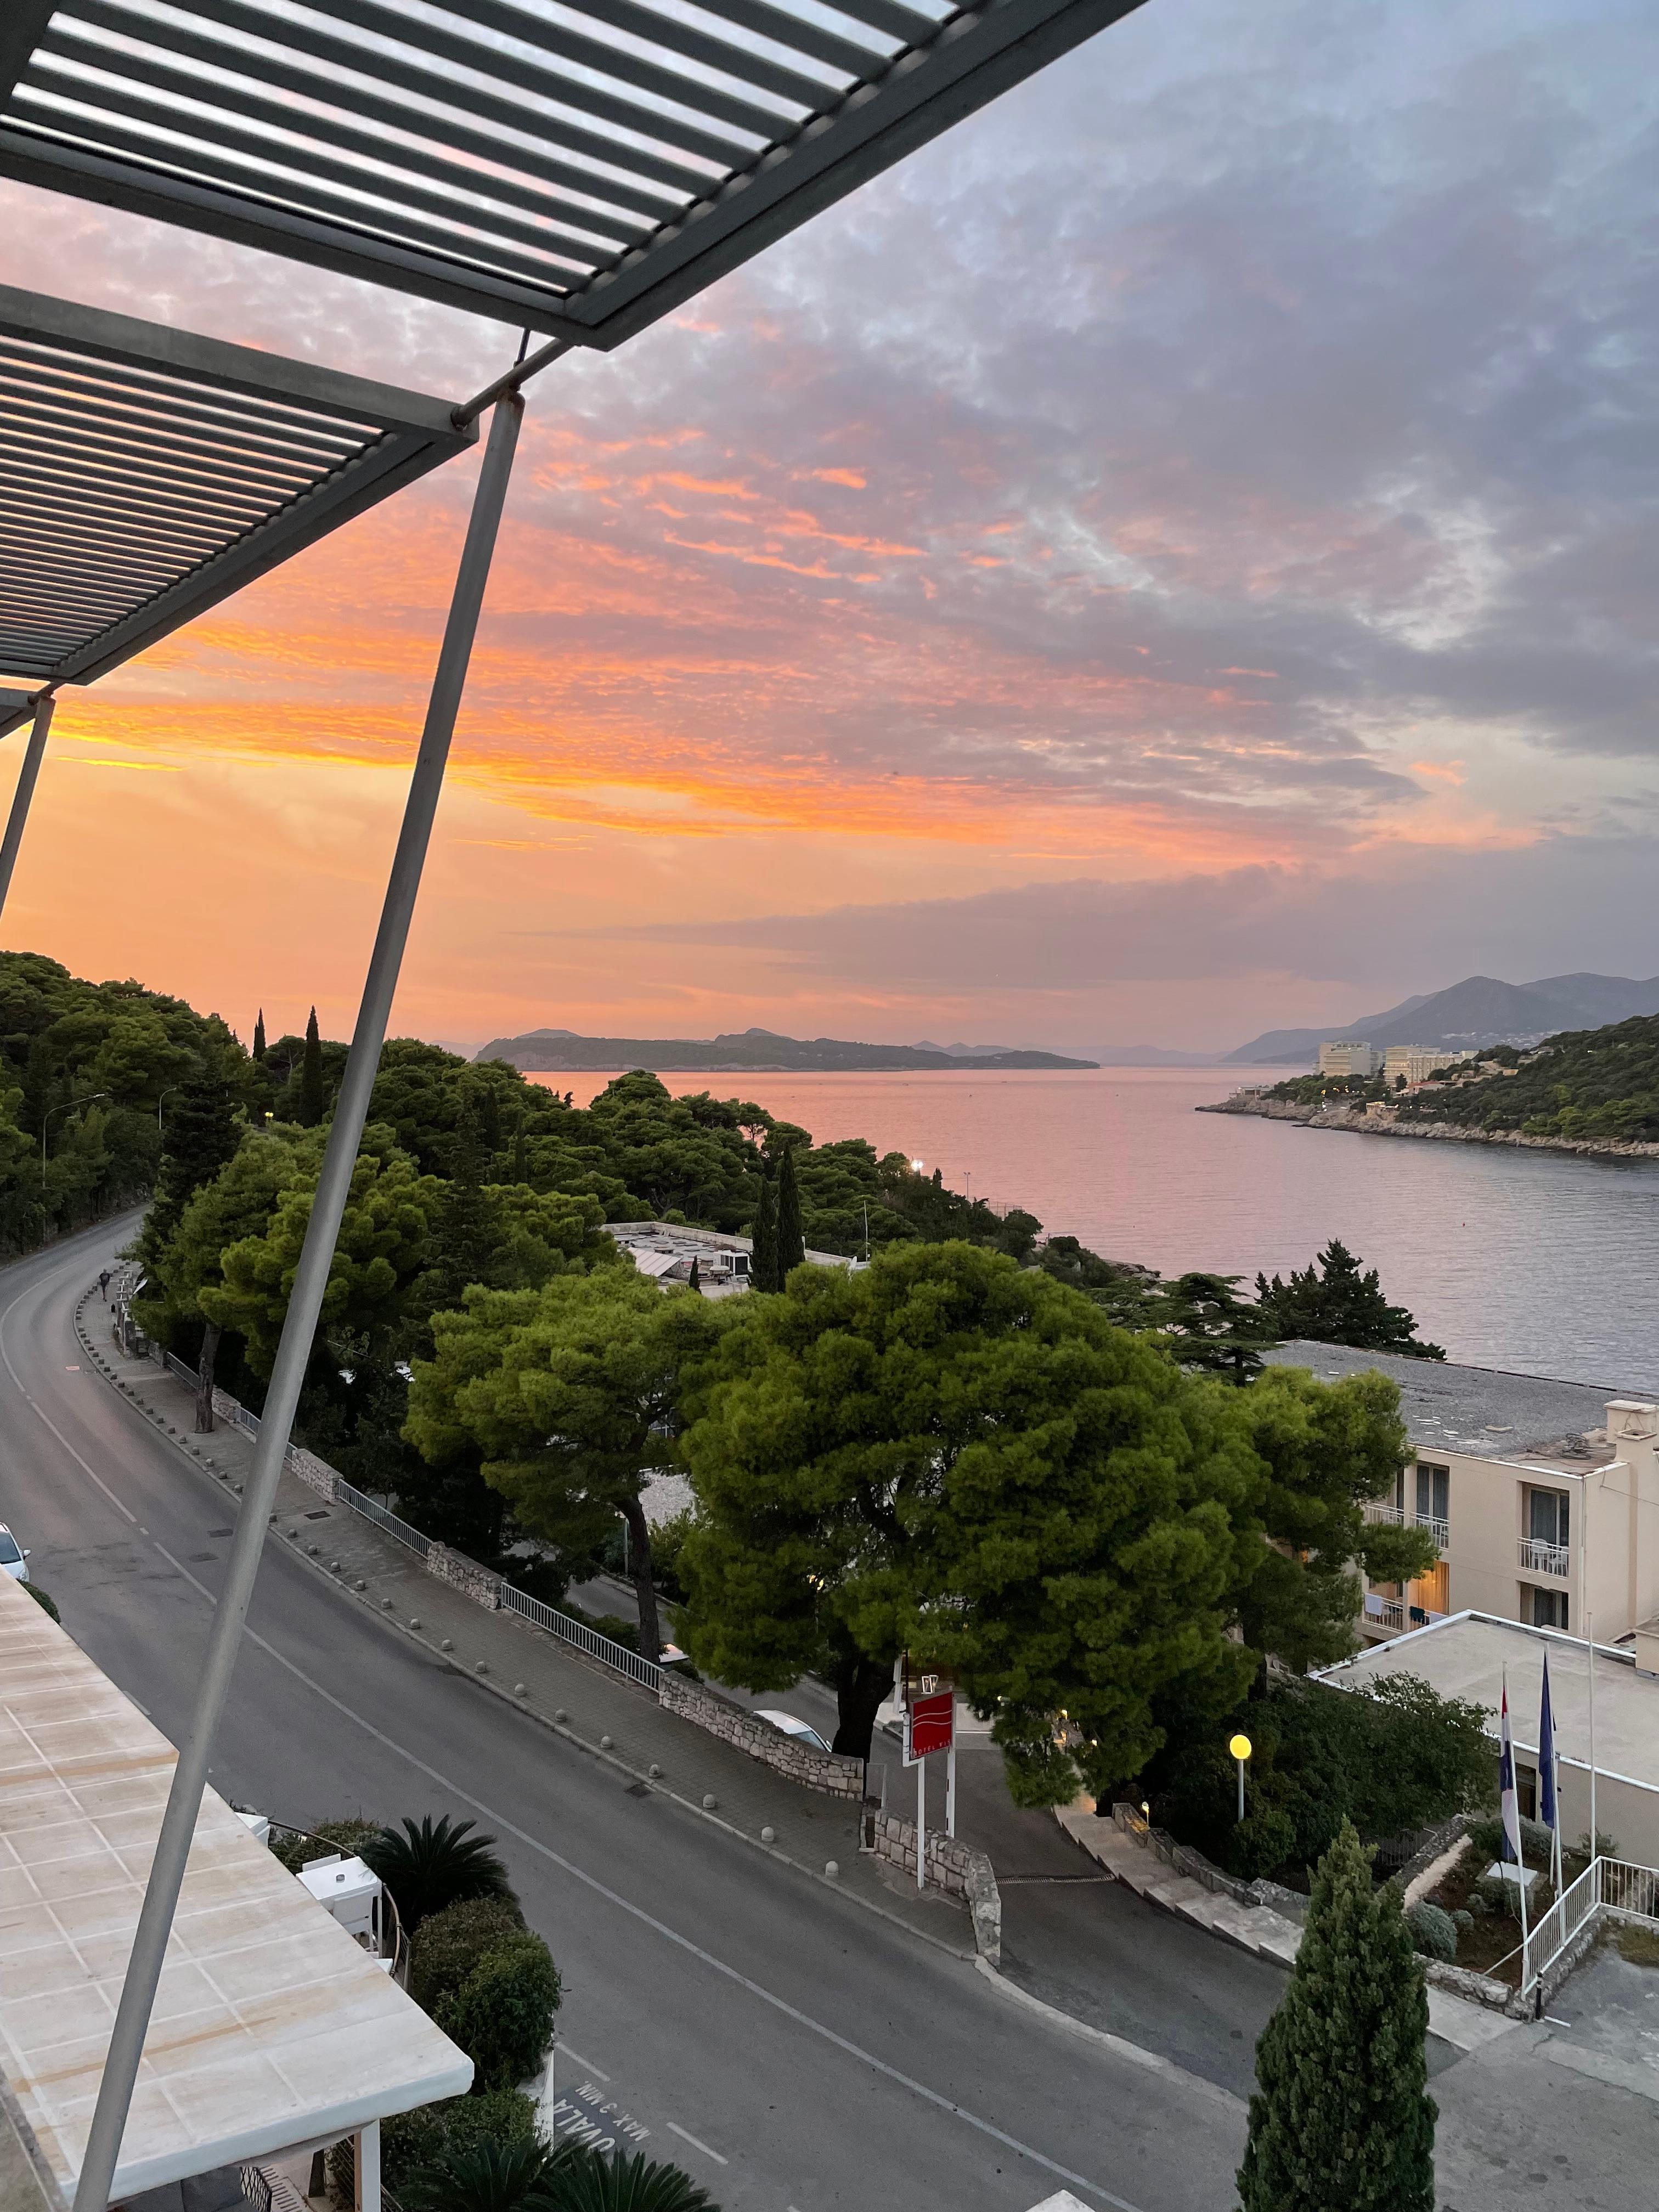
(348, 1892)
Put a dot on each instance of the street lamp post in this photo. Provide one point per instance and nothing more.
(67, 1107)
(167, 1093)
(1240, 1747)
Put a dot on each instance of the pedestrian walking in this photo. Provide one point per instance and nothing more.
(103, 1284)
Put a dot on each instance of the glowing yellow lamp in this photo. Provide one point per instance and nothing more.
(1240, 1747)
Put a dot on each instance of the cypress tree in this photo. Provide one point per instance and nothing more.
(1341, 2116)
(309, 1108)
(791, 1245)
(763, 1266)
(259, 1035)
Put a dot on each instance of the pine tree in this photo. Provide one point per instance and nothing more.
(791, 1245)
(1341, 2118)
(1212, 1327)
(309, 1110)
(259, 1035)
(467, 1235)
(202, 1131)
(1333, 1302)
(763, 1266)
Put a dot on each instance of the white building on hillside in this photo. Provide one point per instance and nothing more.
(1343, 1056)
(1416, 1063)
(665, 1249)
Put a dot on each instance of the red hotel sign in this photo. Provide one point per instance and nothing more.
(932, 1723)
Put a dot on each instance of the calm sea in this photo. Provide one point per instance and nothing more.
(1524, 1261)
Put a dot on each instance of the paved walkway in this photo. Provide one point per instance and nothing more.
(1455, 2020)
(603, 1714)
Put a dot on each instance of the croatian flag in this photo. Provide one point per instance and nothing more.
(1508, 1805)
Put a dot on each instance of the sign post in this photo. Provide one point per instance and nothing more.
(930, 1724)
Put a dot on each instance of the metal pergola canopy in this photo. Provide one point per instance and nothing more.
(146, 475)
(580, 167)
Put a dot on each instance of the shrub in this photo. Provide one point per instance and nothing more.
(1496, 1894)
(347, 1835)
(1260, 1843)
(450, 1943)
(434, 1865)
(1462, 1920)
(45, 1600)
(502, 2014)
(410, 2142)
(1434, 1933)
(1537, 1842)
(1478, 1907)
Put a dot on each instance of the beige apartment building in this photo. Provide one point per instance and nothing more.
(1416, 1063)
(1343, 1056)
(1542, 1497)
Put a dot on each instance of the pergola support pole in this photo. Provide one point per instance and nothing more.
(26, 776)
(339, 1159)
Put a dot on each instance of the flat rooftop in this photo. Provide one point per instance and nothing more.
(1483, 1411)
(1467, 1655)
(271, 2028)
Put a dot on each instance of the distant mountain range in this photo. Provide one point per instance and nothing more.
(752, 1052)
(1478, 1010)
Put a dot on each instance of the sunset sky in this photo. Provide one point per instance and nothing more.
(1177, 557)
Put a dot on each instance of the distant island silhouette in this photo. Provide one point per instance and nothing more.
(755, 1052)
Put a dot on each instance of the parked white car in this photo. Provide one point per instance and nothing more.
(13, 1560)
(786, 1724)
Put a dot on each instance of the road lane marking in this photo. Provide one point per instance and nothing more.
(843, 2043)
(686, 2136)
(587, 2064)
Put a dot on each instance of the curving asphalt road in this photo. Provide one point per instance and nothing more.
(790, 2050)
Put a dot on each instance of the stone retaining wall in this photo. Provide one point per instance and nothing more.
(466, 1575)
(952, 1866)
(835, 1774)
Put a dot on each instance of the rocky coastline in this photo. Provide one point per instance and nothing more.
(1358, 1122)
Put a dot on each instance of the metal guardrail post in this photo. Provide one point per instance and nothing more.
(299, 1327)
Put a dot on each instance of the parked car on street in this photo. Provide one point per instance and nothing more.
(787, 1725)
(13, 1560)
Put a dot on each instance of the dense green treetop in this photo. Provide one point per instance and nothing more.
(953, 1455)
(570, 1395)
(1336, 1301)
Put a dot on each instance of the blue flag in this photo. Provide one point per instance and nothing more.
(1508, 1805)
(1549, 1811)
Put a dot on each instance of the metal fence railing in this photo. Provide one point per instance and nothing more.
(382, 1515)
(1607, 1886)
(602, 1648)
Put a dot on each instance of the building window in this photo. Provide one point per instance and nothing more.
(1433, 1487)
(1545, 1608)
(1548, 1516)
(1526, 1790)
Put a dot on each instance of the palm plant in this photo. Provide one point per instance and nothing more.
(488, 2176)
(434, 1865)
(576, 2180)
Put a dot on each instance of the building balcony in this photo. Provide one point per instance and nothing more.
(1384, 1612)
(1401, 1516)
(1538, 1558)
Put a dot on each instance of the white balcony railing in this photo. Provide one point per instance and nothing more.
(1538, 1558)
(1384, 1612)
(1401, 1516)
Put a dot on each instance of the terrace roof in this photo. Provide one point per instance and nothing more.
(580, 167)
(145, 475)
(271, 2028)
